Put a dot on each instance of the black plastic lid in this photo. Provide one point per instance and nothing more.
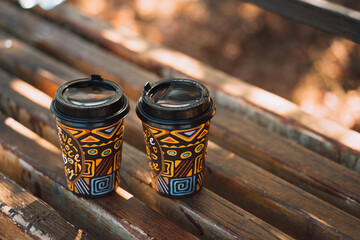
(89, 100)
(175, 103)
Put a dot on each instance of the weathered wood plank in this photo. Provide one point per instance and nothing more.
(8, 230)
(35, 164)
(9, 104)
(265, 109)
(318, 179)
(322, 14)
(33, 216)
(269, 197)
(197, 220)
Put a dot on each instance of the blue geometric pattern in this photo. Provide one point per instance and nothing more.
(102, 185)
(182, 186)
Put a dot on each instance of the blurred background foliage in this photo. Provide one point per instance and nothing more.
(318, 71)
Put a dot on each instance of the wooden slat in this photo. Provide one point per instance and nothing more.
(250, 187)
(9, 90)
(261, 107)
(322, 14)
(32, 216)
(318, 179)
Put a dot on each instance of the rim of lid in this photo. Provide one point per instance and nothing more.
(117, 105)
(199, 110)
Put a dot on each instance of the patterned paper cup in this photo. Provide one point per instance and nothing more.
(90, 122)
(176, 117)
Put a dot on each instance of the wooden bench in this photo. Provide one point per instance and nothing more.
(259, 183)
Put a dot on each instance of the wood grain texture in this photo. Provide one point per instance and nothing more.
(250, 187)
(307, 170)
(13, 92)
(8, 229)
(271, 197)
(33, 216)
(259, 106)
(41, 171)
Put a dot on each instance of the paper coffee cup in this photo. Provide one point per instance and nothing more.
(176, 117)
(90, 116)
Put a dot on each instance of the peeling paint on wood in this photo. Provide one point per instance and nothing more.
(20, 221)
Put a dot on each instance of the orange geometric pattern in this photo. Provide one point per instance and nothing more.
(90, 139)
(98, 171)
(181, 154)
(106, 132)
(169, 140)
